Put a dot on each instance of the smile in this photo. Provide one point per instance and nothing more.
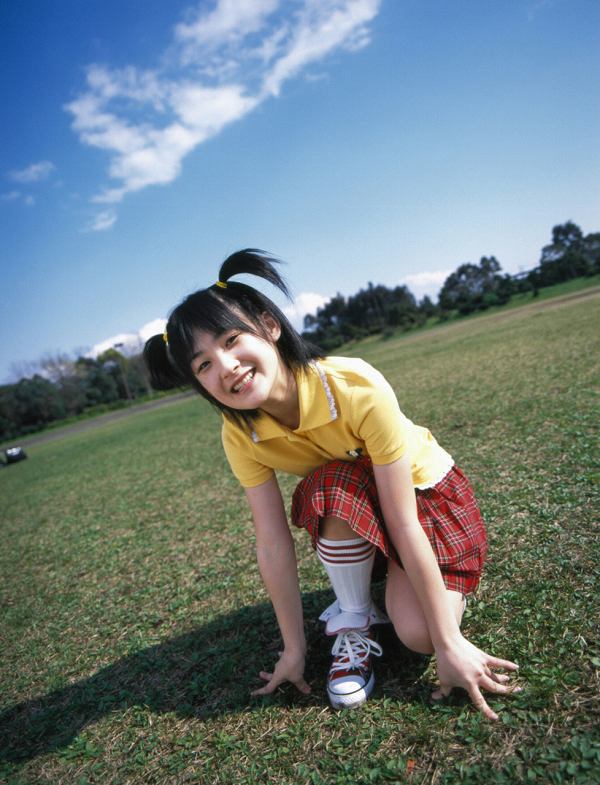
(244, 381)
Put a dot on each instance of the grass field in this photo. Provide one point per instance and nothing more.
(134, 620)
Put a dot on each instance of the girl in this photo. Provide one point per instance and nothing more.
(373, 482)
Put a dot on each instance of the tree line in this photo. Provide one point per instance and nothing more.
(471, 287)
(62, 387)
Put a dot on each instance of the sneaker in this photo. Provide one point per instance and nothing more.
(351, 678)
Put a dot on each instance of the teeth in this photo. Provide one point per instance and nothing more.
(243, 382)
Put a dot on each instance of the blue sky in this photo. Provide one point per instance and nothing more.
(360, 140)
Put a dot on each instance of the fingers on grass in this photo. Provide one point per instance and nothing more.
(501, 678)
(303, 686)
(481, 704)
(272, 685)
(507, 665)
(269, 687)
(493, 686)
(267, 690)
(441, 692)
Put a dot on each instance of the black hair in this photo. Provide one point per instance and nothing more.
(217, 310)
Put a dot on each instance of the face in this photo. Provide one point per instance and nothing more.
(239, 369)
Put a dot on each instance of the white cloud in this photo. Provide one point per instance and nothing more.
(127, 343)
(33, 173)
(155, 327)
(426, 283)
(102, 221)
(305, 302)
(322, 27)
(132, 343)
(230, 20)
(223, 62)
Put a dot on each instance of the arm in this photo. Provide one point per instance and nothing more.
(459, 663)
(276, 559)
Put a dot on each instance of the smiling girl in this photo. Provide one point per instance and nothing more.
(372, 481)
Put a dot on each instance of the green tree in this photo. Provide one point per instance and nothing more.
(591, 249)
(566, 257)
(98, 382)
(10, 422)
(475, 287)
(428, 308)
(38, 402)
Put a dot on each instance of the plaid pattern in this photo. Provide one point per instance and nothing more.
(448, 513)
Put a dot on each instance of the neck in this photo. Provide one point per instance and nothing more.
(284, 405)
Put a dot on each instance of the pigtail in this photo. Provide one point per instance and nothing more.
(163, 375)
(253, 261)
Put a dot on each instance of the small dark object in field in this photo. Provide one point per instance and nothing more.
(14, 455)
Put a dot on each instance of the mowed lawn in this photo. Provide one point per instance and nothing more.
(135, 623)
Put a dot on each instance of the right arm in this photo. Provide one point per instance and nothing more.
(276, 558)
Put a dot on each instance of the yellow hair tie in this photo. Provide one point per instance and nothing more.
(166, 337)
(221, 284)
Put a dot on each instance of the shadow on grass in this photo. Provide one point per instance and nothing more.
(202, 674)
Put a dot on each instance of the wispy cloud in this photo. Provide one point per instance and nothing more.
(102, 221)
(228, 23)
(17, 196)
(33, 173)
(11, 196)
(537, 7)
(221, 64)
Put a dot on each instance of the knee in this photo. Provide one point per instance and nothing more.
(414, 638)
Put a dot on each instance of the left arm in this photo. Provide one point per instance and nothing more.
(459, 662)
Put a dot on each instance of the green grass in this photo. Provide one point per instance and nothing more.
(134, 620)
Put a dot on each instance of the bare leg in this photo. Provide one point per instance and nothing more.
(404, 609)
(336, 529)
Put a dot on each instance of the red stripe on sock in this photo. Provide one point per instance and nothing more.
(333, 546)
(344, 550)
(345, 554)
(345, 561)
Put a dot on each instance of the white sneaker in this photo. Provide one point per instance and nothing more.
(351, 678)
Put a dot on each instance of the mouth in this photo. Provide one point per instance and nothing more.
(244, 381)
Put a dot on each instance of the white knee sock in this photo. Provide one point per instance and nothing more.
(349, 564)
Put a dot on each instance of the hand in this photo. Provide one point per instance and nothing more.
(464, 665)
(290, 667)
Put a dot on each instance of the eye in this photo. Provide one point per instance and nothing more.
(202, 367)
(231, 339)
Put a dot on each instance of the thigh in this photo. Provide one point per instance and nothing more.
(404, 609)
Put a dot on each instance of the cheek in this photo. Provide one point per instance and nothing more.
(208, 382)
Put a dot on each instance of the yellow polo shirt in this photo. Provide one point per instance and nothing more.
(347, 408)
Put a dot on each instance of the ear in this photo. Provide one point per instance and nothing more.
(272, 326)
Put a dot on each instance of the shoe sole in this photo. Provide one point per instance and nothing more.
(354, 699)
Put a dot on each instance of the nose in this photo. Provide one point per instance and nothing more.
(228, 362)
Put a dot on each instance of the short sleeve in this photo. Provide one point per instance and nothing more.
(378, 420)
(239, 451)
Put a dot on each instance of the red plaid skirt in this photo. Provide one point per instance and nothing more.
(448, 513)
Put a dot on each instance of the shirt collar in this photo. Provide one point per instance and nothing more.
(317, 406)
